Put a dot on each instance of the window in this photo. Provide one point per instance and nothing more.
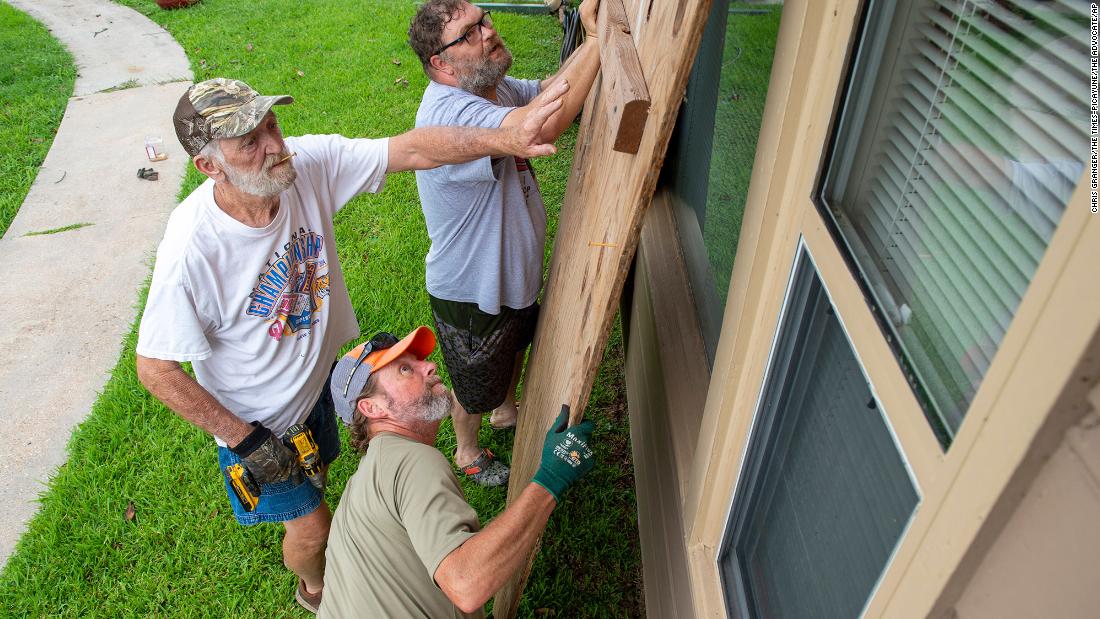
(961, 136)
(713, 147)
(824, 495)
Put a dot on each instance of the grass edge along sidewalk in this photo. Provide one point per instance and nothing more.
(136, 523)
(36, 81)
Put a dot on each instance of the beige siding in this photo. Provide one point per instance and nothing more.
(1044, 563)
(664, 561)
(666, 386)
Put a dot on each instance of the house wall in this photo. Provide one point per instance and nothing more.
(666, 384)
(1007, 504)
(1043, 564)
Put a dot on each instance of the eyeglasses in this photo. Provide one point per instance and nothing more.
(380, 341)
(484, 22)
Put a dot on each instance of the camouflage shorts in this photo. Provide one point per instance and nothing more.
(480, 349)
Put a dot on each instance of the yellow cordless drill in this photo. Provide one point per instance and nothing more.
(300, 440)
(246, 488)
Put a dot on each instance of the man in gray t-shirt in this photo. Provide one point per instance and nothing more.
(485, 218)
(404, 542)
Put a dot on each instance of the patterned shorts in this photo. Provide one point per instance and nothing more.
(480, 349)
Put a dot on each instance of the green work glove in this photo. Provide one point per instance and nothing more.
(566, 456)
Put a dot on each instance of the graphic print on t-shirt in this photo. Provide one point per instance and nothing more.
(292, 287)
(523, 165)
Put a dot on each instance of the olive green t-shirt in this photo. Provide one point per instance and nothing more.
(402, 512)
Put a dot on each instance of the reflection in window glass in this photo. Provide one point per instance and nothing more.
(712, 151)
(825, 495)
(742, 90)
(962, 136)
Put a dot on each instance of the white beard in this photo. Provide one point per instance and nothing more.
(264, 183)
(429, 407)
(434, 407)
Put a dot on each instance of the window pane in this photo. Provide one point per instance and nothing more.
(711, 155)
(962, 136)
(825, 496)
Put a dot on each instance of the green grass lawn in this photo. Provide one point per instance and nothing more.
(183, 555)
(36, 79)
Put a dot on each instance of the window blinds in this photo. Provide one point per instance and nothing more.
(961, 164)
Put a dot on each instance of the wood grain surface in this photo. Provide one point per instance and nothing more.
(598, 231)
(624, 85)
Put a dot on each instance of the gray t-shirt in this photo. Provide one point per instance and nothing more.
(401, 514)
(485, 218)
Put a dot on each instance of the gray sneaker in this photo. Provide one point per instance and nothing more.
(486, 470)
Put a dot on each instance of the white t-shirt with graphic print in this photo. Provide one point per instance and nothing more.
(262, 312)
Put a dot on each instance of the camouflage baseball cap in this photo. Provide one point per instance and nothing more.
(220, 108)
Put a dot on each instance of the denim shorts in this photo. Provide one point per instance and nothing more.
(282, 501)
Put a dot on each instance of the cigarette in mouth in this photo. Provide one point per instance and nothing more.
(284, 158)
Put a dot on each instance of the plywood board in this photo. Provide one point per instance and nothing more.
(600, 223)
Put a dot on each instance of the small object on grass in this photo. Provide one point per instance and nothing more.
(148, 174)
(395, 61)
(175, 4)
(131, 512)
(402, 81)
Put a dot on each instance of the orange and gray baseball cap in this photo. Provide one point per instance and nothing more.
(350, 375)
(220, 108)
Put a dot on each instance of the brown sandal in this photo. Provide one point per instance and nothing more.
(307, 600)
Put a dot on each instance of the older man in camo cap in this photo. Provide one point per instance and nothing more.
(247, 287)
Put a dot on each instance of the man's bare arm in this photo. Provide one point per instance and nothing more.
(579, 70)
(170, 384)
(430, 147)
(478, 568)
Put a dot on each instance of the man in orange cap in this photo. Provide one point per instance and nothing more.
(404, 542)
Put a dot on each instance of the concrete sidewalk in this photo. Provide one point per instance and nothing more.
(76, 292)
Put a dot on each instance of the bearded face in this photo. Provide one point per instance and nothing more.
(481, 75)
(268, 182)
(432, 405)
